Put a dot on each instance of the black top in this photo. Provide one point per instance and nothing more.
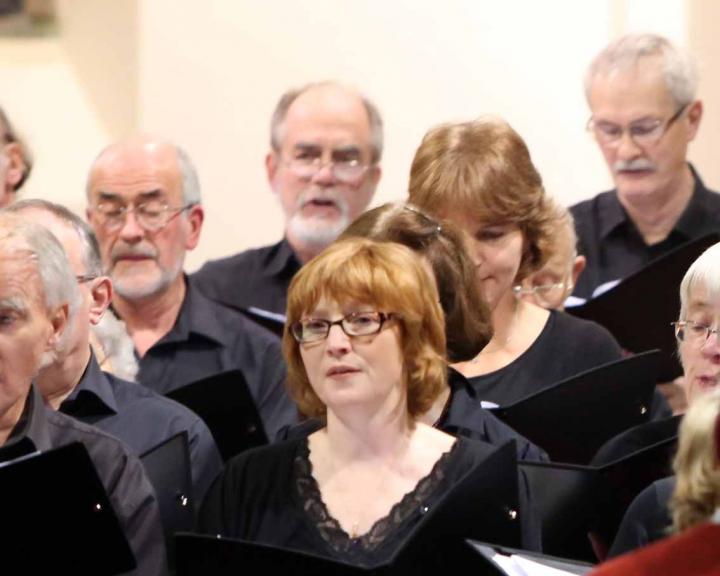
(121, 473)
(208, 339)
(463, 416)
(143, 419)
(615, 249)
(269, 495)
(565, 347)
(257, 278)
(647, 519)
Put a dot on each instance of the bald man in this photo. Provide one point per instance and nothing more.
(145, 208)
(325, 146)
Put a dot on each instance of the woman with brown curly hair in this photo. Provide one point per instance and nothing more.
(479, 176)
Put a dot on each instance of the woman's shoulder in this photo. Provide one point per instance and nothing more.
(576, 331)
(270, 458)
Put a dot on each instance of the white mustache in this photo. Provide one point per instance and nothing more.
(636, 165)
(119, 252)
(324, 195)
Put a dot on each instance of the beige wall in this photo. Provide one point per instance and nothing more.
(207, 75)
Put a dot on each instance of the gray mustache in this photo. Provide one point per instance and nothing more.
(633, 165)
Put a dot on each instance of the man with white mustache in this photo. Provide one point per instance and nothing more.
(325, 147)
(145, 208)
(642, 94)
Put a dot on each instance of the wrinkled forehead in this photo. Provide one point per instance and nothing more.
(703, 296)
(19, 278)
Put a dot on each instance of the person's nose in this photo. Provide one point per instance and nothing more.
(324, 176)
(338, 343)
(711, 346)
(131, 231)
(627, 148)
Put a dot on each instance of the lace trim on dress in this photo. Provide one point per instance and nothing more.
(330, 529)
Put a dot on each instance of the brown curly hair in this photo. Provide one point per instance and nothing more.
(391, 278)
(483, 168)
(467, 317)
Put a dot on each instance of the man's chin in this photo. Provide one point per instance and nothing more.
(139, 287)
(318, 232)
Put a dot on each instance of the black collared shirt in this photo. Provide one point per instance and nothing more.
(143, 419)
(257, 278)
(121, 473)
(614, 247)
(209, 339)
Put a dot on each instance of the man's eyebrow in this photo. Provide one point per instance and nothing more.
(112, 197)
(15, 304)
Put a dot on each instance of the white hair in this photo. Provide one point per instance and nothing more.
(704, 272)
(116, 353)
(678, 67)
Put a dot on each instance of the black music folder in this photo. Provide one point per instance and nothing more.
(639, 310)
(224, 402)
(575, 501)
(513, 562)
(572, 419)
(167, 466)
(57, 518)
(482, 505)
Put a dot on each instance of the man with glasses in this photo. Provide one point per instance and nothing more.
(325, 147)
(144, 206)
(642, 94)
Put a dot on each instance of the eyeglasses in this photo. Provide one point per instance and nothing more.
(346, 170)
(82, 278)
(545, 295)
(644, 133)
(152, 215)
(355, 324)
(694, 332)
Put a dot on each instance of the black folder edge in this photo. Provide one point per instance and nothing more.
(602, 309)
(433, 527)
(76, 463)
(220, 400)
(645, 363)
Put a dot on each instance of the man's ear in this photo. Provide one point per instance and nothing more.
(101, 293)
(195, 218)
(578, 267)
(271, 166)
(17, 166)
(694, 114)
(59, 323)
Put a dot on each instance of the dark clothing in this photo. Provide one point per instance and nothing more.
(565, 347)
(120, 472)
(209, 339)
(268, 495)
(143, 419)
(647, 519)
(614, 247)
(463, 416)
(635, 439)
(257, 278)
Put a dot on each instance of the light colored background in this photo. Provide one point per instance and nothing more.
(207, 75)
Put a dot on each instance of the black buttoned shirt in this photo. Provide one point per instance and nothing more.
(121, 473)
(254, 279)
(614, 247)
(208, 339)
(143, 419)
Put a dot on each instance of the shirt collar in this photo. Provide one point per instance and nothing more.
(612, 214)
(92, 395)
(197, 317)
(31, 433)
(282, 259)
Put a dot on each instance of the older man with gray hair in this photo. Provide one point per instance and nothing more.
(326, 141)
(38, 294)
(642, 94)
(145, 208)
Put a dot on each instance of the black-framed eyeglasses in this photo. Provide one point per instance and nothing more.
(354, 324)
(151, 215)
(644, 133)
(694, 332)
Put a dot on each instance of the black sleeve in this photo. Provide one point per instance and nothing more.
(497, 433)
(646, 520)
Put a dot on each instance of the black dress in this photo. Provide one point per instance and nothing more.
(268, 495)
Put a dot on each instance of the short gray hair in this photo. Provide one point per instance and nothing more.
(90, 248)
(190, 180)
(59, 285)
(678, 67)
(704, 272)
(277, 123)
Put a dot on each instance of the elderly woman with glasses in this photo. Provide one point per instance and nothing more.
(365, 348)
